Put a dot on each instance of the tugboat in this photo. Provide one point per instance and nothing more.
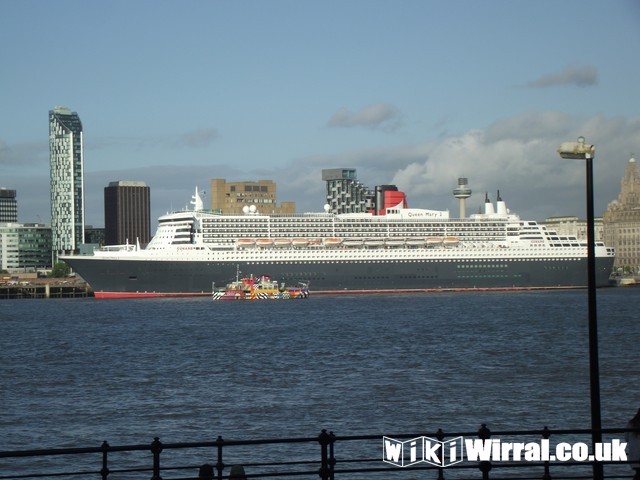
(260, 288)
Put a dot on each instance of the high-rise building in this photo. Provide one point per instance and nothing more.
(8, 206)
(232, 197)
(127, 213)
(344, 193)
(66, 157)
(622, 221)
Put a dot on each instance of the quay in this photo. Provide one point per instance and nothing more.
(47, 289)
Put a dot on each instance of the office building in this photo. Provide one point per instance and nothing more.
(8, 206)
(622, 221)
(232, 197)
(66, 155)
(93, 237)
(344, 193)
(127, 213)
(568, 225)
(24, 247)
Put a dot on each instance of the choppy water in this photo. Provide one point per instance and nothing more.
(75, 372)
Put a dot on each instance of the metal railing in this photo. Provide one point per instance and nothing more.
(326, 456)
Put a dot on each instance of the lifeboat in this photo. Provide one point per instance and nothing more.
(332, 242)
(394, 242)
(282, 242)
(374, 242)
(450, 241)
(300, 242)
(264, 242)
(246, 243)
(434, 241)
(353, 242)
(415, 242)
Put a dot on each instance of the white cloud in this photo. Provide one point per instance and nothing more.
(585, 76)
(199, 138)
(21, 154)
(516, 155)
(378, 115)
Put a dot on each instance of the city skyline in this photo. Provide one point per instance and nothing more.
(414, 94)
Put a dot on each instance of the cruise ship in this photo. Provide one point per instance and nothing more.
(391, 248)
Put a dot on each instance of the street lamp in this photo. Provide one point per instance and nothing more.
(583, 151)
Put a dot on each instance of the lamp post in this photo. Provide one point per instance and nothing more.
(583, 151)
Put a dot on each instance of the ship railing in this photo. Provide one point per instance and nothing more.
(117, 248)
(327, 456)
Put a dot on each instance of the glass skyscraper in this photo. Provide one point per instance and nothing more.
(66, 156)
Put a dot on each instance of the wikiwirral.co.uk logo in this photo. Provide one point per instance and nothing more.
(422, 449)
(449, 452)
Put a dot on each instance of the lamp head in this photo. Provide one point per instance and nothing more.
(577, 150)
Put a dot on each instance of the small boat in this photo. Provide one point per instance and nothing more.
(415, 242)
(625, 281)
(332, 242)
(450, 241)
(282, 242)
(300, 242)
(433, 241)
(394, 242)
(246, 243)
(264, 242)
(260, 288)
(353, 242)
(374, 242)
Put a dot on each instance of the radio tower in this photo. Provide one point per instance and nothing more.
(462, 192)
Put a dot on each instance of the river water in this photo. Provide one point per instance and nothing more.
(75, 372)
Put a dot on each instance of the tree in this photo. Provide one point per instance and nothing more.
(60, 270)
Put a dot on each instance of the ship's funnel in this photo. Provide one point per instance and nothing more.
(501, 206)
(388, 196)
(488, 206)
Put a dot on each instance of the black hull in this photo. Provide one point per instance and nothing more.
(148, 277)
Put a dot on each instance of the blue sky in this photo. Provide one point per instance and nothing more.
(415, 93)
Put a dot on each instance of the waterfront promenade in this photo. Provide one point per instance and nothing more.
(326, 456)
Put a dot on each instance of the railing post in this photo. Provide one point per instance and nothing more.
(546, 433)
(440, 437)
(485, 466)
(104, 471)
(219, 463)
(156, 448)
(332, 458)
(323, 439)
